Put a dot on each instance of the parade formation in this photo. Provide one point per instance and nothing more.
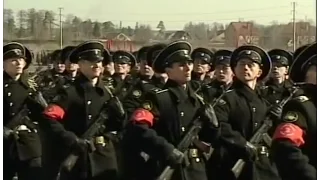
(165, 112)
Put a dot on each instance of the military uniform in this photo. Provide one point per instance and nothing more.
(294, 146)
(120, 85)
(64, 56)
(50, 80)
(136, 96)
(205, 55)
(22, 146)
(241, 112)
(155, 130)
(215, 88)
(272, 91)
(74, 110)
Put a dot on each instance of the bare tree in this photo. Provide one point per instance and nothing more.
(143, 33)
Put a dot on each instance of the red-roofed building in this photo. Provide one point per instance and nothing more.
(241, 33)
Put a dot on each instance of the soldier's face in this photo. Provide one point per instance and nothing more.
(59, 67)
(311, 75)
(109, 67)
(122, 68)
(180, 71)
(223, 73)
(201, 66)
(145, 69)
(278, 70)
(14, 66)
(71, 66)
(247, 70)
(90, 69)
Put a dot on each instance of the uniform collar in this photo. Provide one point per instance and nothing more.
(87, 86)
(245, 90)
(179, 92)
(23, 79)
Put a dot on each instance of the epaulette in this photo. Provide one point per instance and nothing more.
(32, 83)
(158, 90)
(301, 99)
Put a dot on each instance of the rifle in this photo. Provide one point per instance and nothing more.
(260, 134)
(185, 143)
(71, 160)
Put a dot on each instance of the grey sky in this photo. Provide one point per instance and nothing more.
(174, 13)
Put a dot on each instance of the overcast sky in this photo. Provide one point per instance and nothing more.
(174, 13)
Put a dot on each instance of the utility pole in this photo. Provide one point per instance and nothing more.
(294, 24)
(61, 35)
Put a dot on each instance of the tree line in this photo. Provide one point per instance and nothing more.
(35, 24)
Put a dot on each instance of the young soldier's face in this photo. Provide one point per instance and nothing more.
(223, 73)
(122, 68)
(279, 70)
(14, 66)
(311, 75)
(247, 70)
(109, 67)
(71, 66)
(201, 66)
(145, 69)
(180, 71)
(90, 69)
(59, 67)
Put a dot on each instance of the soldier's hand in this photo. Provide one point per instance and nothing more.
(81, 145)
(251, 152)
(275, 112)
(115, 106)
(7, 133)
(208, 115)
(176, 157)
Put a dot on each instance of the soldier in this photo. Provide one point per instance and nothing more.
(122, 80)
(51, 78)
(156, 129)
(224, 76)
(294, 146)
(241, 112)
(202, 59)
(135, 70)
(22, 146)
(78, 106)
(147, 79)
(108, 65)
(71, 71)
(278, 86)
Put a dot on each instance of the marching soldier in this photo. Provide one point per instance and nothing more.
(108, 65)
(147, 79)
(76, 108)
(71, 71)
(294, 146)
(49, 79)
(122, 79)
(156, 129)
(224, 76)
(278, 86)
(202, 59)
(22, 146)
(241, 112)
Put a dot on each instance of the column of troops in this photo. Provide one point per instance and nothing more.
(166, 112)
